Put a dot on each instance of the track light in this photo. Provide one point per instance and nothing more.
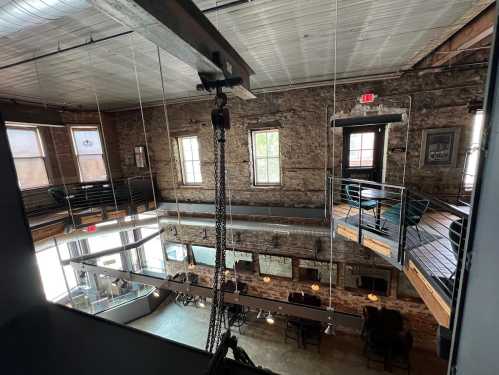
(202, 302)
(330, 330)
(266, 279)
(270, 318)
(260, 314)
(315, 287)
(156, 293)
(372, 297)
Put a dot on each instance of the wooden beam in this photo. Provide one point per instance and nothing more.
(474, 32)
(435, 303)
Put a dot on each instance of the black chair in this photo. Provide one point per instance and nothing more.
(292, 330)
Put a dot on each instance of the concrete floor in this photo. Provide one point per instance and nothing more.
(340, 354)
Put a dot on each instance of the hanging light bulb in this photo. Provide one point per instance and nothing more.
(260, 314)
(156, 293)
(266, 279)
(226, 272)
(372, 297)
(270, 319)
(191, 266)
(315, 287)
(202, 302)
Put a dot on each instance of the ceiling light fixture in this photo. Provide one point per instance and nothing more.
(270, 319)
(266, 279)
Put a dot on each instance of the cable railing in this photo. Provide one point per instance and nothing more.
(73, 199)
(406, 228)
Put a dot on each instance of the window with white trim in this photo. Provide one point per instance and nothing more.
(88, 150)
(29, 156)
(361, 151)
(189, 160)
(473, 152)
(266, 159)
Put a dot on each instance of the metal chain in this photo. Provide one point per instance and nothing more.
(217, 307)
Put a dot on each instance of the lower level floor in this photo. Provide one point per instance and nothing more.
(265, 344)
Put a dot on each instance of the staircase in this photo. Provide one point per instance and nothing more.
(420, 235)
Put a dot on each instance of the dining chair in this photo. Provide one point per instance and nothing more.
(352, 194)
(414, 213)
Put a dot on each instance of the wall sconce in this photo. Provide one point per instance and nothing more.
(315, 287)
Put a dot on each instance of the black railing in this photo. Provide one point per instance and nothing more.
(75, 198)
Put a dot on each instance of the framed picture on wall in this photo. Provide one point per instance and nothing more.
(140, 157)
(439, 147)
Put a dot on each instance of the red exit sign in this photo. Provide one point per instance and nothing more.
(367, 98)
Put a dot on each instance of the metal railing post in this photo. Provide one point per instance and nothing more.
(360, 213)
(459, 265)
(402, 227)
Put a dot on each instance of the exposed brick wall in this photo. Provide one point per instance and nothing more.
(434, 100)
(418, 317)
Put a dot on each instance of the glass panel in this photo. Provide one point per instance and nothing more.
(194, 148)
(260, 144)
(87, 141)
(153, 251)
(273, 144)
(197, 171)
(354, 159)
(355, 141)
(51, 274)
(275, 266)
(273, 171)
(367, 158)
(469, 178)
(24, 142)
(261, 171)
(186, 148)
(31, 173)
(368, 141)
(204, 255)
(231, 257)
(92, 168)
(176, 251)
(105, 242)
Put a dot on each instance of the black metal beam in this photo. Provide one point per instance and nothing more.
(367, 120)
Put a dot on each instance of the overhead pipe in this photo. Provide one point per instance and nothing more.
(311, 230)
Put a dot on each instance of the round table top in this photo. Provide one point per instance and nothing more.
(377, 194)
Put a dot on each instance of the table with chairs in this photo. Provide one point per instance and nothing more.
(304, 331)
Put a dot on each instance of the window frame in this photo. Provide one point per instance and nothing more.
(254, 158)
(361, 150)
(473, 148)
(182, 160)
(77, 155)
(43, 156)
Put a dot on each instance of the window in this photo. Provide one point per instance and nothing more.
(473, 152)
(88, 150)
(266, 162)
(275, 266)
(361, 151)
(204, 255)
(368, 278)
(176, 251)
(29, 157)
(311, 270)
(189, 160)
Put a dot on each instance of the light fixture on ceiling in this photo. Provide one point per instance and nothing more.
(202, 302)
(260, 314)
(156, 293)
(372, 297)
(270, 319)
(315, 287)
(267, 279)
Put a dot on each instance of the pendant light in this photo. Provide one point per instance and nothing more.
(270, 319)
(267, 279)
(315, 287)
